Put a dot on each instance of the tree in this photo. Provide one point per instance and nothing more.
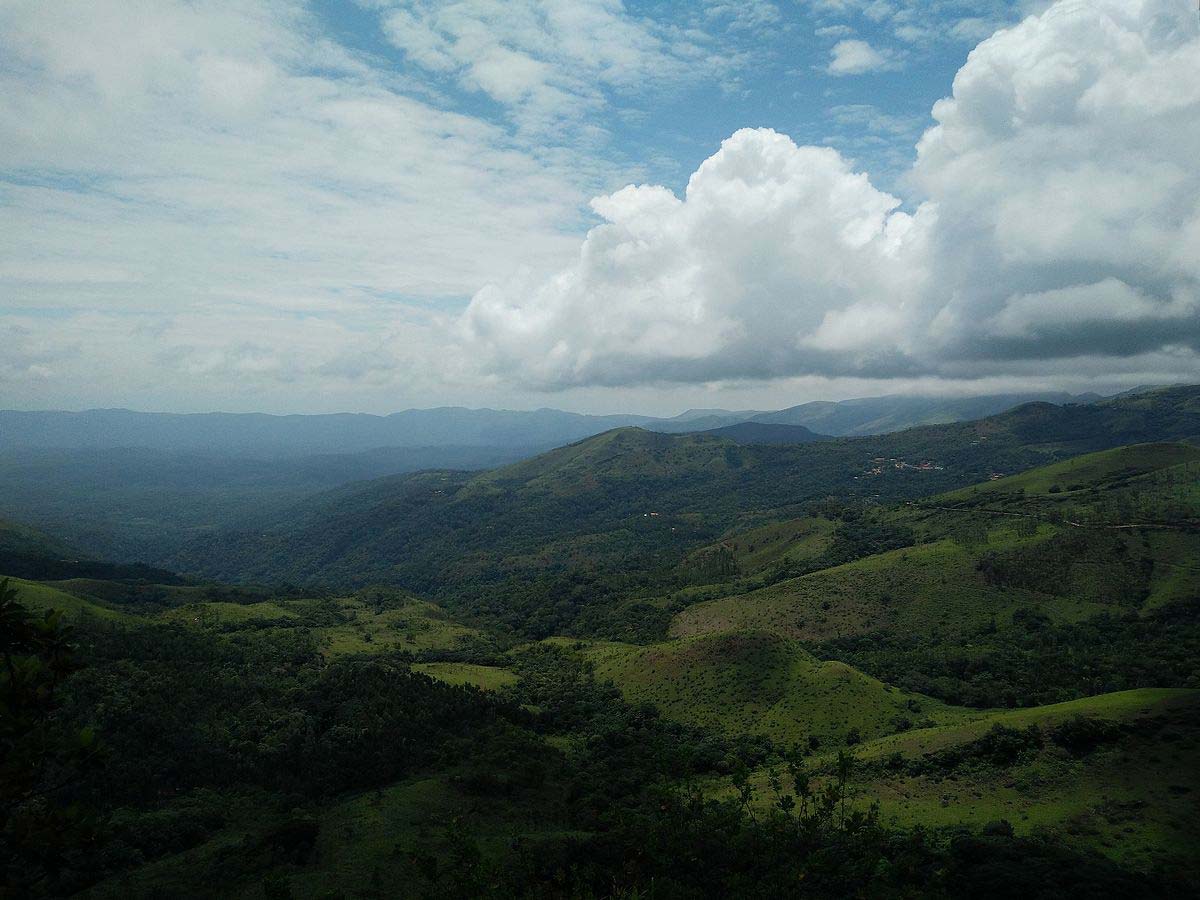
(40, 760)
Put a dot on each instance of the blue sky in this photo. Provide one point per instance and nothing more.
(309, 205)
(776, 75)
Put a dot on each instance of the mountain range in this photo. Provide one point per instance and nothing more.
(268, 436)
(955, 656)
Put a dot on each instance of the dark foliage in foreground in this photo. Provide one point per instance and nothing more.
(197, 724)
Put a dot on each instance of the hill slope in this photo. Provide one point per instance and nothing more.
(764, 433)
(620, 510)
(754, 682)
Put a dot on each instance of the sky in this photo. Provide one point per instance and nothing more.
(605, 206)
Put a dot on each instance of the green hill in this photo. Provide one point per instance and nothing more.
(1013, 591)
(21, 540)
(44, 597)
(1115, 773)
(991, 549)
(754, 682)
(587, 524)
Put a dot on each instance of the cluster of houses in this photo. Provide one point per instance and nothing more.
(881, 464)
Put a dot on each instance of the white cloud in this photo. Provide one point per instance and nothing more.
(211, 174)
(213, 202)
(855, 57)
(551, 61)
(749, 15)
(1058, 233)
(837, 31)
(722, 283)
(928, 22)
(1065, 161)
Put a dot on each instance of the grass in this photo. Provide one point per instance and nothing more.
(341, 626)
(757, 549)
(748, 682)
(916, 589)
(214, 613)
(42, 597)
(937, 585)
(1133, 800)
(416, 626)
(1090, 470)
(489, 678)
(1176, 568)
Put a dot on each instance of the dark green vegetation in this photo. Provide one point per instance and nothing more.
(642, 666)
(551, 544)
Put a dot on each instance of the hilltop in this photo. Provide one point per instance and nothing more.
(760, 683)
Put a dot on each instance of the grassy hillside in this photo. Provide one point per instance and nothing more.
(41, 597)
(1114, 774)
(1015, 591)
(576, 527)
(371, 621)
(934, 586)
(754, 682)
(1129, 796)
(488, 678)
(756, 550)
(993, 549)
(1010, 651)
(1105, 470)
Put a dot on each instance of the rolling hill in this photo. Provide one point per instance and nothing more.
(1012, 661)
(759, 683)
(616, 513)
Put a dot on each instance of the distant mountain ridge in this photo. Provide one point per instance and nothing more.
(270, 436)
(581, 519)
(881, 415)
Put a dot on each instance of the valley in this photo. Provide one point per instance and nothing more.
(481, 682)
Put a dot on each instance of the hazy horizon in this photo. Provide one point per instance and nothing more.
(601, 413)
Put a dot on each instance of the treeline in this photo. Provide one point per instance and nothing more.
(1035, 661)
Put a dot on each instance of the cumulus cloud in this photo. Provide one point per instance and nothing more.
(731, 280)
(1063, 166)
(1056, 229)
(855, 57)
